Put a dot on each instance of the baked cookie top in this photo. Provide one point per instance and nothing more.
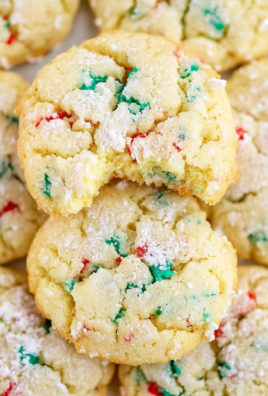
(19, 217)
(242, 214)
(140, 277)
(235, 364)
(126, 105)
(224, 33)
(29, 28)
(35, 360)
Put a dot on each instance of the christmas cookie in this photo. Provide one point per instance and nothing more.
(35, 360)
(140, 277)
(125, 105)
(29, 28)
(19, 217)
(242, 215)
(235, 364)
(224, 33)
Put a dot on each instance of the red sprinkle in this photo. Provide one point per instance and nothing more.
(138, 135)
(142, 250)
(233, 376)
(60, 116)
(129, 337)
(84, 262)
(252, 296)
(118, 259)
(240, 132)
(12, 386)
(153, 389)
(85, 328)
(11, 39)
(176, 53)
(177, 147)
(10, 207)
(219, 332)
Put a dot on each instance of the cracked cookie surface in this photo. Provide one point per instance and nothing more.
(125, 105)
(234, 364)
(242, 215)
(19, 217)
(225, 33)
(139, 277)
(29, 28)
(35, 360)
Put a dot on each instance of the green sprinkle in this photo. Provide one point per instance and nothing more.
(47, 326)
(95, 269)
(140, 376)
(194, 219)
(210, 295)
(241, 317)
(182, 135)
(95, 80)
(168, 175)
(119, 88)
(7, 25)
(165, 392)
(161, 272)
(135, 14)
(119, 315)
(69, 285)
(192, 97)
(206, 317)
(158, 312)
(188, 70)
(14, 120)
(259, 236)
(116, 242)
(134, 105)
(47, 186)
(133, 286)
(33, 359)
(3, 168)
(174, 368)
(259, 346)
(212, 17)
(161, 201)
(134, 70)
(223, 369)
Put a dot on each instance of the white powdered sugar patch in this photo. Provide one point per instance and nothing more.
(263, 27)
(215, 83)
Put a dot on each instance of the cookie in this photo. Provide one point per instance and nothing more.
(242, 215)
(234, 364)
(125, 105)
(19, 217)
(29, 28)
(138, 277)
(225, 33)
(35, 360)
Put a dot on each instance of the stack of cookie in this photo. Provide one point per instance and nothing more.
(128, 142)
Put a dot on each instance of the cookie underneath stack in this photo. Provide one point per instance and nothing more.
(35, 360)
(234, 364)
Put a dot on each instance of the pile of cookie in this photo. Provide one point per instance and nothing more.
(132, 177)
